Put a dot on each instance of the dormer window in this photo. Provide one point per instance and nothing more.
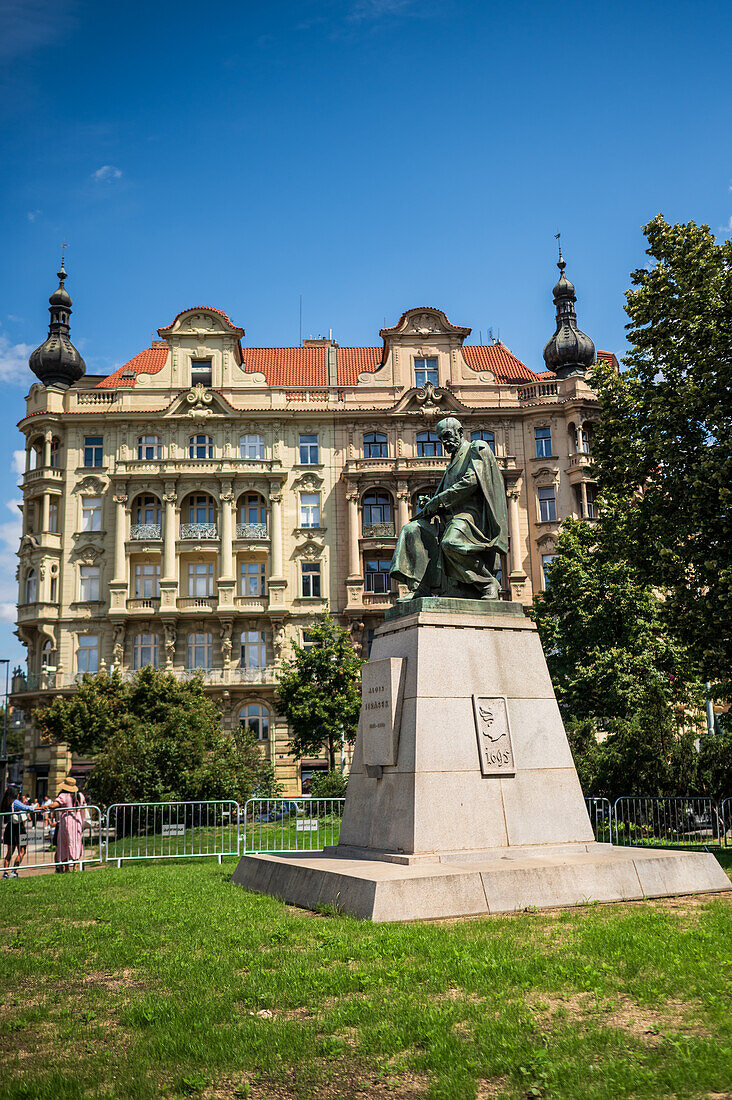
(425, 370)
(200, 372)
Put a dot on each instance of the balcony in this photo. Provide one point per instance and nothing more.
(251, 603)
(197, 603)
(378, 599)
(27, 612)
(379, 530)
(141, 531)
(43, 473)
(143, 603)
(251, 531)
(535, 391)
(199, 531)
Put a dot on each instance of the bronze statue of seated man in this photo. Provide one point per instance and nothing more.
(453, 545)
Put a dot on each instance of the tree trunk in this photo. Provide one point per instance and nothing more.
(331, 753)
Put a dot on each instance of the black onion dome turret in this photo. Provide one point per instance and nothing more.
(57, 362)
(570, 350)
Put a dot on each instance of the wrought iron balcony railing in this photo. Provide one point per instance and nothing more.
(383, 530)
(251, 530)
(199, 531)
(146, 531)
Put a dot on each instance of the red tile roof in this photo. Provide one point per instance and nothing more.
(355, 361)
(504, 365)
(288, 366)
(606, 355)
(149, 361)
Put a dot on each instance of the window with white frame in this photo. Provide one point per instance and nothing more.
(31, 586)
(253, 649)
(255, 717)
(201, 372)
(87, 653)
(200, 446)
(55, 453)
(310, 578)
(547, 505)
(201, 508)
(145, 651)
(375, 445)
(428, 445)
(309, 450)
(149, 448)
(147, 580)
(486, 436)
(545, 560)
(200, 578)
(425, 370)
(308, 640)
(200, 650)
(376, 575)
(251, 447)
(543, 442)
(147, 510)
(89, 576)
(591, 502)
(53, 516)
(93, 450)
(252, 579)
(310, 509)
(91, 513)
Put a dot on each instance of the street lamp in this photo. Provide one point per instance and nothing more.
(4, 755)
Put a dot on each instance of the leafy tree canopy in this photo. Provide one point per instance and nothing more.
(319, 691)
(664, 445)
(329, 785)
(154, 739)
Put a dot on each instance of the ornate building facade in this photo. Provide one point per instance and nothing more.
(195, 509)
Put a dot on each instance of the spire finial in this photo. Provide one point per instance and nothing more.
(561, 262)
(61, 273)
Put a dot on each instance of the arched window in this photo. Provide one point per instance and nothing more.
(486, 436)
(251, 517)
(584, 439)
(149, 448)
(36, 454)
(198, 517)
(147, 509)
(201, 508)
(48, 656)
(375, 445)
(428, 445)
(251, 447)
(145, 651)
(255, 717)
(376, 507)
(200, 446)
(200, 650)
(31, 587)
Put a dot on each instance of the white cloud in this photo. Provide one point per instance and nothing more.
(19, 462)
(33, 214)
(14, 362)
(105, 173)
(10, 532)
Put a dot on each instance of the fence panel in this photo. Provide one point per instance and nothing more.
(672, 822)
(36, 834)
(171, 830)
(725, 817)
(601, 813)
(292, 824)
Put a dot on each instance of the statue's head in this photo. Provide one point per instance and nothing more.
(450, 433)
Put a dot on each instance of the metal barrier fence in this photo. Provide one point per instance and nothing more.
(292, 824)
(601, 817)
(671, 822)
(171, 830)
(43, 837)
(725, 814)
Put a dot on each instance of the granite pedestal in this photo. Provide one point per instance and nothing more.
(463, 797)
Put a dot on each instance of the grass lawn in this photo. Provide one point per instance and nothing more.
(165, 980)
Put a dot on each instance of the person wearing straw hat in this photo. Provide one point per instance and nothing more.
(70, 837)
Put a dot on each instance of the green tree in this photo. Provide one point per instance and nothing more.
(664, 445)
(329, 785)
(319, 691)
(155, 739)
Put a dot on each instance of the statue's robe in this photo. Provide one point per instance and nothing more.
(462, 556)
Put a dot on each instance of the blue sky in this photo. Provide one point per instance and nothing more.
(371, 155)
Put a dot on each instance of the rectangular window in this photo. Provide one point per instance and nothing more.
(89, 582)
(545, 559)
(200, 578)
(91, 513)
(425, 370)
(543, 442)
(199, 650)
(147, 580)
(93, 450)
(376, 575)
(310, 509)
(251, 447)
(309, 450)
(87, 655)
(200, 372)
(487, 437)
(253, 649)
(375, 445)
(591, 502)
(145, 651)
(252, 578)
(310, 578)
(53, 595)
(53, 516)
(547, 506)
(308, 641)
(54, 453)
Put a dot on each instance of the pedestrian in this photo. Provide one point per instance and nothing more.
(14, 812)
(70, 829)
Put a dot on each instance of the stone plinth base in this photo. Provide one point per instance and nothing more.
(496, 881)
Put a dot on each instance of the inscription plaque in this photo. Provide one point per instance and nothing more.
(381, 703)
(493, 731)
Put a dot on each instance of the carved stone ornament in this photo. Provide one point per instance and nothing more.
(118, 646)
(90, 485)
(199, 399)
(225, 637)
(307, 481)
(310, 550)
(424, 324)
(429, 395)
(547, 544)
(87, 554)
(120, 497)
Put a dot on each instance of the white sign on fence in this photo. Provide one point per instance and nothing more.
(173, 830)
(307, 825)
